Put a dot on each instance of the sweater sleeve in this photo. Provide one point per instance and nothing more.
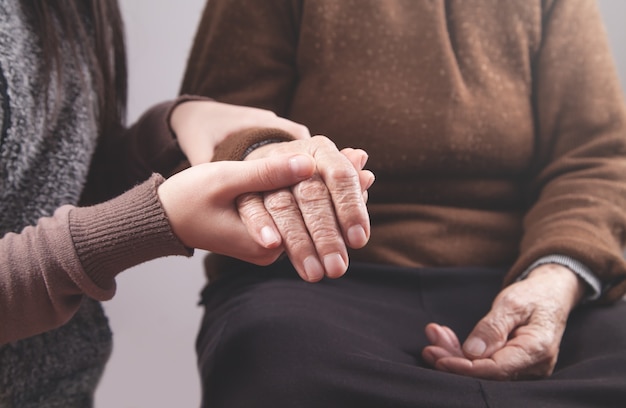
(128, 156)
(228, 64)
(47, 268)
(580, 183)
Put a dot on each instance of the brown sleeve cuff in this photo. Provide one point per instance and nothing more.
(236, 146)
(123, 232)
(566, 240)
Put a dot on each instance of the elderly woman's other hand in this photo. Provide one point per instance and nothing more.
(520, 337)
(317, 218)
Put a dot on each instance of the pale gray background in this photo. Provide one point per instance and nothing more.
(154, 314)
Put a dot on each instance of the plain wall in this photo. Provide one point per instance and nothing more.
(154, 315)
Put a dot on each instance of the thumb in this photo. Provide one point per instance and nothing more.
(268, 174)
(490, 334)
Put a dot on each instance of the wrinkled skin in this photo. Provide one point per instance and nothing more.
(310, 220)
(318, 218)
(520, 336)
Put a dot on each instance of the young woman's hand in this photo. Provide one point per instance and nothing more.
(201, 125)
(200, 204)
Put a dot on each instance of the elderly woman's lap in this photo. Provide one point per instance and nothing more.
(270, 339)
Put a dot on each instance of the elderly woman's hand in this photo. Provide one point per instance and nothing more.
(319, 217)
(520, 337)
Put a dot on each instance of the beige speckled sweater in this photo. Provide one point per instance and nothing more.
(496, 129)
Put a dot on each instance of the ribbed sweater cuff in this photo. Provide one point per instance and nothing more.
(594, 285)
(238, 145)
(123, 232)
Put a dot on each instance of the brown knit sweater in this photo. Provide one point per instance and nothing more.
(496, 129)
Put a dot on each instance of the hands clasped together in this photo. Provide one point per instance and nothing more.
(307, 199)
(304, 198)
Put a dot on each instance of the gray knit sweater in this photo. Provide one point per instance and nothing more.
(44, 164)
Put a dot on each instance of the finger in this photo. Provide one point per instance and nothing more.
(343, 183)
(509, 363)
(432, 354)
(492, 331)
(366, 179)
(265, 174)
(234, 241)
(296, 130)
(284, 210)
(357, 157)
(261, 175)
(443, 337)
(257, 220)
(318, 214)
(444, 343)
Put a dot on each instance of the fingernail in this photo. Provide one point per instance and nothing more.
(313, 269)
(370, 182)
(475, 346)
(334, 264)
(431, 334)
(356, 236)
(300, 165)
(364, 159)
(269, 236)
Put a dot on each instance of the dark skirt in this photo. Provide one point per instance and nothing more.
(269, 339)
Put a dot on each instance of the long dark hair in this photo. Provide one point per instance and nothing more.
(95, 29)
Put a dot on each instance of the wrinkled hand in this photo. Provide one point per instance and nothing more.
(519, 338)
(201, 125)
(317, 218)
(200, 202)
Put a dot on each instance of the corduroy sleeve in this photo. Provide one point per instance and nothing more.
(580, 186)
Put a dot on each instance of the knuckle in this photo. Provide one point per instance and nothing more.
(323, 142)
(344, 172)
(498, 327)
(279, 201)
(312, 189)
(297, 243)
(514, 304)
(324, 232)
(266, 174)
(250, 206)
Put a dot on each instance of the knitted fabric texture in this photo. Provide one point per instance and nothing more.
(44, 161)
(496, 129)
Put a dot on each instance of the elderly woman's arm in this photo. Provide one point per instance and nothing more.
(579, 211)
